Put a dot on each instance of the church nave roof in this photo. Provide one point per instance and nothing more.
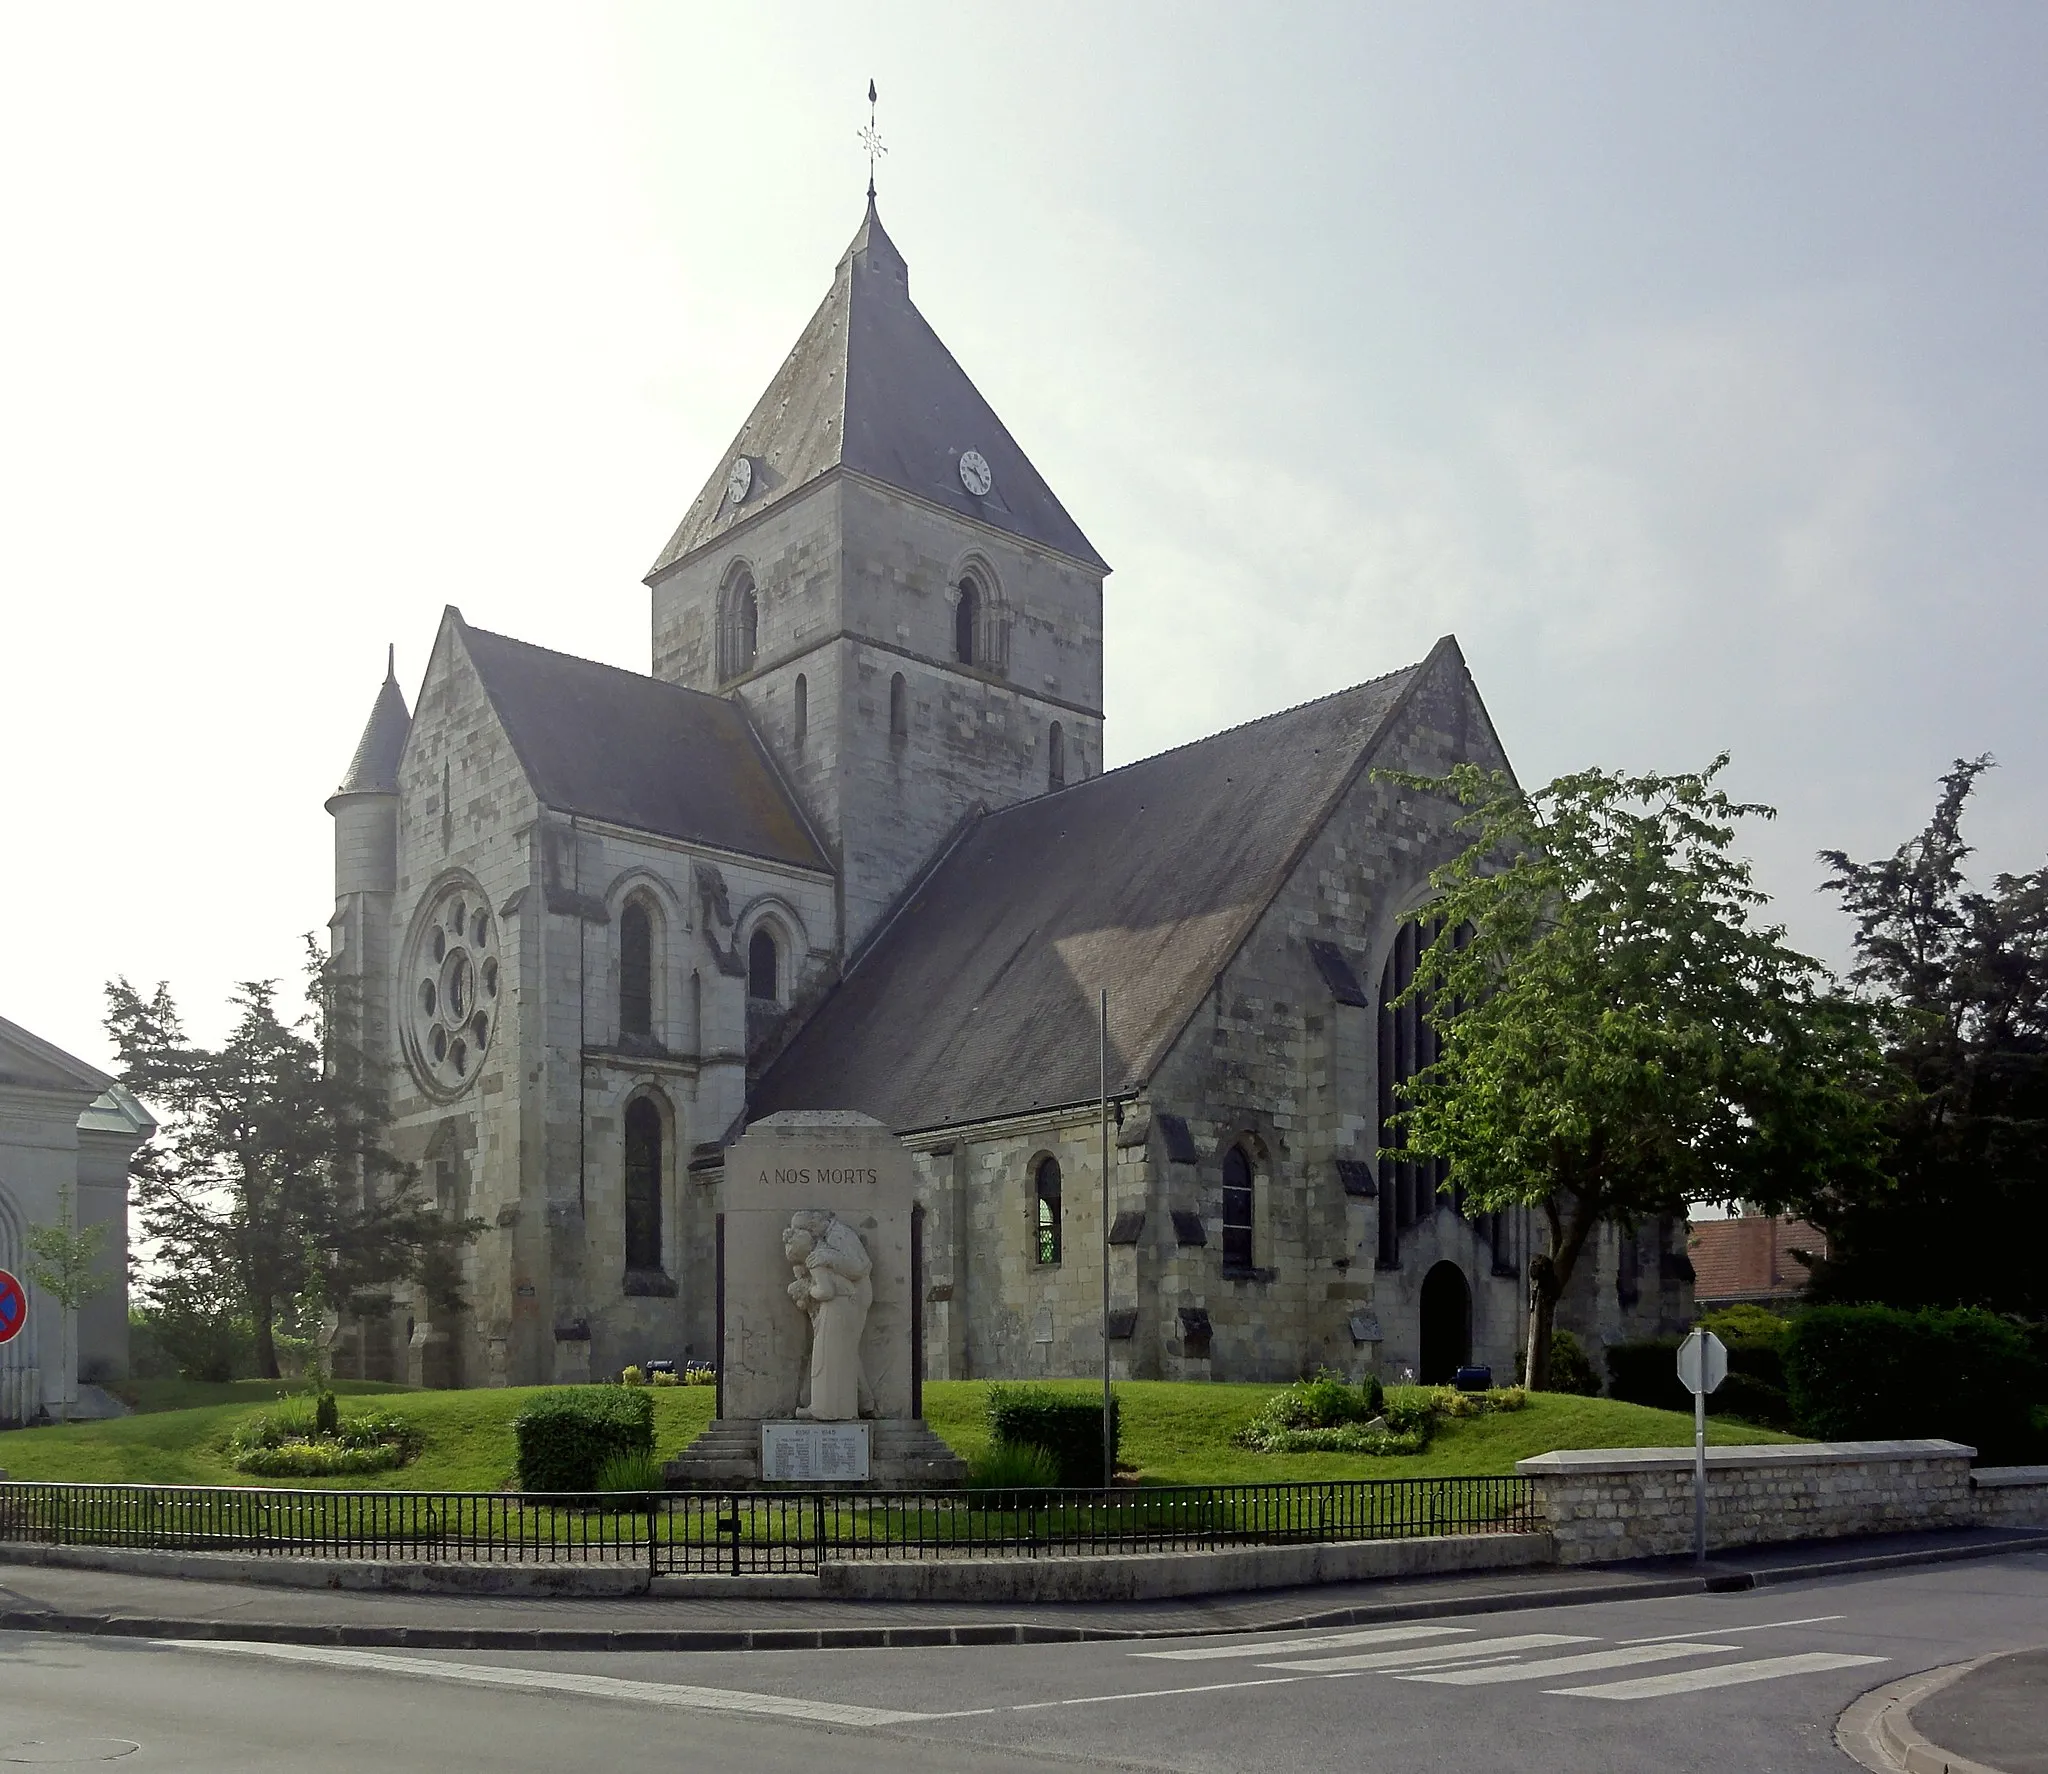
(611, 744)
(978, 1000)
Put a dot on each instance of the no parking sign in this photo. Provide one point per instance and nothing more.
(13, 1308)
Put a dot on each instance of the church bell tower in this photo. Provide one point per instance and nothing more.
(879, 574)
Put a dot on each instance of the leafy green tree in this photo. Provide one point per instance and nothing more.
(1620, 1036)
(1961, 974)
(270, 1179)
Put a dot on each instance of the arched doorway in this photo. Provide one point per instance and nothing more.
(1446, 1324)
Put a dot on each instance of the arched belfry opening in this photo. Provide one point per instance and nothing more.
(967, 623)
(1446, 1324)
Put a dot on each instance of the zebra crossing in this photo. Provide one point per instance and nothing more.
(1466, 1657)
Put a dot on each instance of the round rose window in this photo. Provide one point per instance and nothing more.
(452, 977)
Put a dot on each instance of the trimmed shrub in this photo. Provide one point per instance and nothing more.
(567, 1434)
(1647, 1373)
(1875, 1373)
(1066, 1425)
(1571, 1369)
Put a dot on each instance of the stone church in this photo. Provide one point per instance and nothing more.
(850, 845)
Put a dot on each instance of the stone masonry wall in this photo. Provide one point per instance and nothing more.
(2011, 1496)
(993, 1310)
(1272, 1060)
(533, 1143)
(855, 585)
(1603, 1504)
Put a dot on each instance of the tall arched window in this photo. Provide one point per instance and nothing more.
(739, 627)
(749, 627)
(1237, 1209)
(1055, 756)
(1045, 1190)
(643, 1185)
(966, 622)
(762, 967)
(1408, 1044)
(899, 707)
(636, 971)
(803, 708)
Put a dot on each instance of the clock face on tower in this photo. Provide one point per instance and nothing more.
(740, 482)
(974, 472)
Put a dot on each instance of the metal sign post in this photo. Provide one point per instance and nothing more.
(1108, 1399)
(1702, 1365)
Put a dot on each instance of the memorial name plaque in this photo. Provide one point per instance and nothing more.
(817, 1453)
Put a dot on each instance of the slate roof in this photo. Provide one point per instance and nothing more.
(978, 999)
(613, 745)
(374, 768)
(871, 388)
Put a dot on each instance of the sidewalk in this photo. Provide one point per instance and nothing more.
(1996, 1715)
(51, 1599)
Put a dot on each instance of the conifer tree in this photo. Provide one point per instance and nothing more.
(269, 1178)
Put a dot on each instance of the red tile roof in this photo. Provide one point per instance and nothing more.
(1750, 1257)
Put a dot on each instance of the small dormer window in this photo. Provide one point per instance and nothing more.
(967, 622)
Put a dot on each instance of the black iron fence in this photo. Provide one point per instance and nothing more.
(750, 1532)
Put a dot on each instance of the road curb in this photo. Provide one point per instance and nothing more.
(814, 1638)
(1877, 1730)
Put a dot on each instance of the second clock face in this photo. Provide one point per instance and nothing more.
(740, 482)
(974, 472)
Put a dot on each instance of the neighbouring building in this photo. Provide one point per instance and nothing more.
(1753, 1259)
(67, 1132)
(850, 845)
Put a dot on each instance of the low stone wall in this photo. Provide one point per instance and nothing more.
(1131, 1577)
(1615, 1503)
(2011, 1496)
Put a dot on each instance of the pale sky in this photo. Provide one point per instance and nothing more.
(1687, 361)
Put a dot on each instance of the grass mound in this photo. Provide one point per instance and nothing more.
(1172, 1433)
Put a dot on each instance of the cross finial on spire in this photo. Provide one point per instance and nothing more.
(871, 139)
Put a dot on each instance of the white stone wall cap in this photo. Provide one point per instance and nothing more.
(1570, 1462)
(1994, 1478)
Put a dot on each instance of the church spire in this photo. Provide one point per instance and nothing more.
(374, 768)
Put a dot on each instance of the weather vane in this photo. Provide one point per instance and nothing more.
(871, 139)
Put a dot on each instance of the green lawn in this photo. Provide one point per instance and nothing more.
(468, 1436)
(1173, 1433)
(1177, 1433)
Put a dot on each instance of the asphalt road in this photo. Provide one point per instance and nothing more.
(1748, 1683)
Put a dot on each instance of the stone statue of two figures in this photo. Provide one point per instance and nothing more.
(834, 1285)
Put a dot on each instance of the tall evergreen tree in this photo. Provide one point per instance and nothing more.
(1620, 1036)
(270, 1177)
(1961, 974)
